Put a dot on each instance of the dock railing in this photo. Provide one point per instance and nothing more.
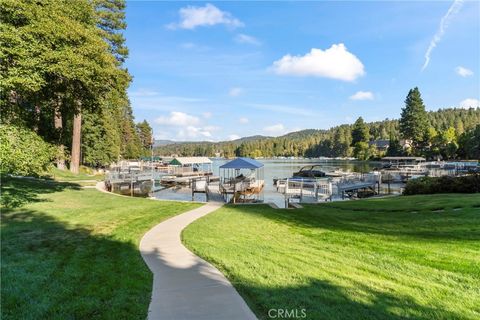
(303, 188)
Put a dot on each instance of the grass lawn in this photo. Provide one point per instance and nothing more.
(72, 253)
(67, 176)
(415, 257)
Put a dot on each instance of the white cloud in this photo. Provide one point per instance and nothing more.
(183, 126)
(444, 23)
(179, 119)
(235, 92)
(470, 103)
(233, 137)
(191, 132)
(362, 95)
(209, 15)
(207, 115)
(463, 72)
(335, 62)
(243, 120)
(276, 129)
(243, 38)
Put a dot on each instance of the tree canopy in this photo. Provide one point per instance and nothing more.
(62, 76)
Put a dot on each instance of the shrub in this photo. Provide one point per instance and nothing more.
(23, 152)
(446, 184)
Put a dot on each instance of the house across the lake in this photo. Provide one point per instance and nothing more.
(381, 145)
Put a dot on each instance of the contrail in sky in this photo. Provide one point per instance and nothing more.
(444, 23)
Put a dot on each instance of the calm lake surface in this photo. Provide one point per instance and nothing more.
(275, 168)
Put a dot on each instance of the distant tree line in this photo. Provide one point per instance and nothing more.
(62, 77)
(443, 134)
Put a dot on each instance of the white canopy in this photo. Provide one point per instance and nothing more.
(190, 160)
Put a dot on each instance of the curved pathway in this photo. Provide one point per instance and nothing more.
(184, 285)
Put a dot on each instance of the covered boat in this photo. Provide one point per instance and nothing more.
(312, 171)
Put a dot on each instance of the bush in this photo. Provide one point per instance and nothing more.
(23, 152)
(446, 184)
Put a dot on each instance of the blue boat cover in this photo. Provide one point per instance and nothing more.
(242, 163)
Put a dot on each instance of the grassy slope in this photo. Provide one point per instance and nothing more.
(71, 253)
(395, 258)
(67, 176)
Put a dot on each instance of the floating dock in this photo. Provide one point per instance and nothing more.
(314, 190)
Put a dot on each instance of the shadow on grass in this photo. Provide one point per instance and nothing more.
(432, 225)
(51, 270)
(324, 300)
(17, 192)
(319, 299)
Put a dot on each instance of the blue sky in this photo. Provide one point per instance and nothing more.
(221, 70)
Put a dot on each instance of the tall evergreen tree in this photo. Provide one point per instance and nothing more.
(360, 131)
(145, 134)
(414, 121)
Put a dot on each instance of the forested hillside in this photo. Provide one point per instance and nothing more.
(336, 141)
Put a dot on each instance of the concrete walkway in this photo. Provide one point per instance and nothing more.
(184, 285)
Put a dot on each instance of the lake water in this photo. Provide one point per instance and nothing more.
(275, 168)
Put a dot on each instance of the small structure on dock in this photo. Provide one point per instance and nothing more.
(403, 168)
(182, 170)
(396, 161)
(242, 180)
(192, 166)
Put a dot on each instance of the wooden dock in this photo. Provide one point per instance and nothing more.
(207, 186)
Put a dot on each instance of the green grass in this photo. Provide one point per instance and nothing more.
(415, 257)
(68, 176)
(72, 253)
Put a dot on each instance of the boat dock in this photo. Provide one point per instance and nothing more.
(242, 180)
(143, 177)
(211, 188)
(306, 190)
(314, 190)
(242, 191)
(359, 184)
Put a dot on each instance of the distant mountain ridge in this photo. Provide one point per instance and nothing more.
(333, 142)
(161, 143)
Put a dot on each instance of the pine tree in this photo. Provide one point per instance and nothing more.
(414, 121)
(145, 135)
(360, 132)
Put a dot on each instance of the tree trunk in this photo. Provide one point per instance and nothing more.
(59, 128)
(76, 140)
(36, 118)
